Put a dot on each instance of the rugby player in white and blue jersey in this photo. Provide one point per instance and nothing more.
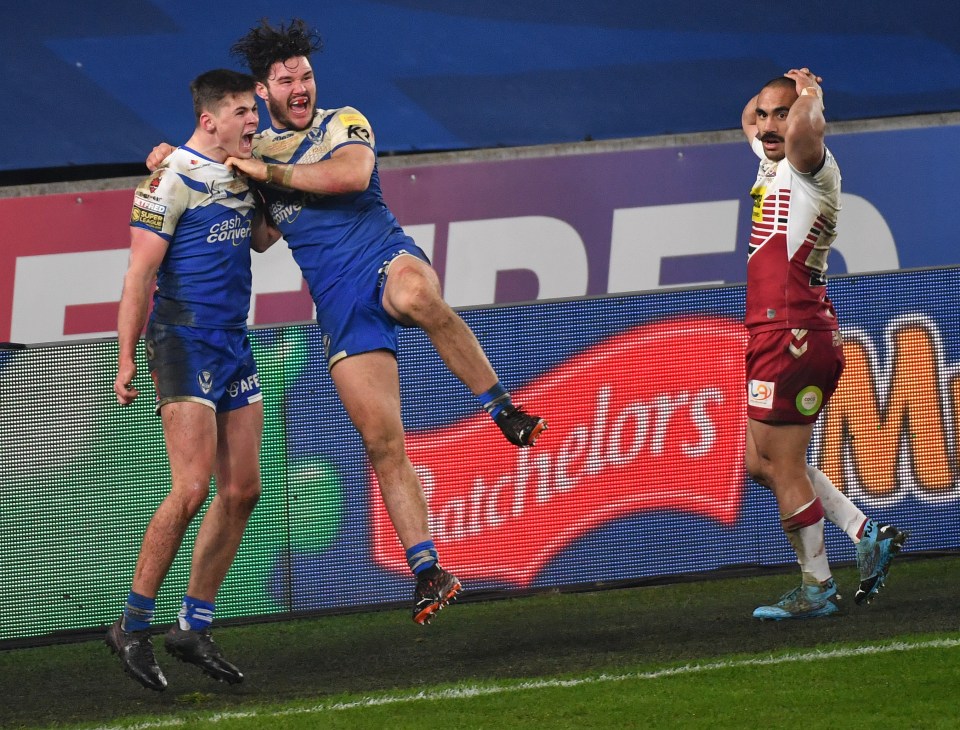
(367, 279)
(319, 177)
(192, 227)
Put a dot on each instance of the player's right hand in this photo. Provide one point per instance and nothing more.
(123, 385)
(158, 154)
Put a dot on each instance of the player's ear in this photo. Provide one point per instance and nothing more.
(206, 122)
(261, 90)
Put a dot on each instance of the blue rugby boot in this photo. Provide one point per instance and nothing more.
(875, 551)
(807, 601)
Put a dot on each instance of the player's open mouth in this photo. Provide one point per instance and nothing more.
(246, 142)
(299, 104)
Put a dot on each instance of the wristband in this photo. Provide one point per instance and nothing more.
(279, 177)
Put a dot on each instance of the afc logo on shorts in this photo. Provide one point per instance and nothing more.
(760, 394)
(244, 385)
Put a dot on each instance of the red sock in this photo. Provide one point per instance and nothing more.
(809, 514)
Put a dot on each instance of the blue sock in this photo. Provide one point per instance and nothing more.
(494, 400)
(422, 556)
(138, 612)
(195, 615)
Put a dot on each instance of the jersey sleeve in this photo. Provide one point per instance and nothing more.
(158, 203)
(348, 126)
(825, 181)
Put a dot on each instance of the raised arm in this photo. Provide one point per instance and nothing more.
(347, 170)
(805, 122)
(749, 119)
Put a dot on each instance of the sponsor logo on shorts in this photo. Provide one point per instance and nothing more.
(760, 394)
(809, 400)
(147, 218)
(205, 381)
(244, 385)
(326, 347)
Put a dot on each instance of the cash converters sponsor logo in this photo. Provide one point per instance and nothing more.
(234, 230)
(285, 212)
(155, 181)
(650, 419)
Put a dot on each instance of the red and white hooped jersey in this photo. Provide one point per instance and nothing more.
(794, 224)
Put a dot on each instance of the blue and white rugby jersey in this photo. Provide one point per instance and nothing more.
(204, 212)
(330, 236)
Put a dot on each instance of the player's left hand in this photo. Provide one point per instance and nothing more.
(804, 78)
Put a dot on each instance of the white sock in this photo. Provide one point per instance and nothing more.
(811, 552)
(837, 507)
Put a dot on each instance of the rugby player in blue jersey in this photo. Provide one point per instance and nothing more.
(318, 174)
(192, 227)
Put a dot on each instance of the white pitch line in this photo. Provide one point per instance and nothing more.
(481, 691)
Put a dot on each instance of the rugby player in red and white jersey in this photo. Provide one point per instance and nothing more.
(795, 353)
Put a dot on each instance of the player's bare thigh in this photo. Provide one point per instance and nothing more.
(412, 288)
(190, 432)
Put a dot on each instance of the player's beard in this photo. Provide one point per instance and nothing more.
(280, 114)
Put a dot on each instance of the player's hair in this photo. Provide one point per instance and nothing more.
(212, 87)
(265, 45)
(780, 82)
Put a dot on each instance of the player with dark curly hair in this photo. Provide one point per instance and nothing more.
(265, 45)
(318, 174)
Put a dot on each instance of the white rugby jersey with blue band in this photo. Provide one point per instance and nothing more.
(204, 212)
